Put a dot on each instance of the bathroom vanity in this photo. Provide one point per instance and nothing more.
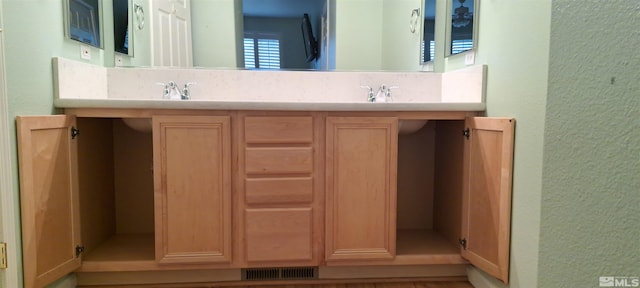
(186, 194)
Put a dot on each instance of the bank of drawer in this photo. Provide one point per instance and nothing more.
(265, 130)
(279, 190)
(278, 160)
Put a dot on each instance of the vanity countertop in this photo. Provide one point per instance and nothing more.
(267, 106)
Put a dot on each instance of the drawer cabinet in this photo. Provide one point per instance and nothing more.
(279, 182)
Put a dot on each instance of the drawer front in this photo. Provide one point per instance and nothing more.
(279, 234)
(281, 130)
(279, 190)
(276, 160)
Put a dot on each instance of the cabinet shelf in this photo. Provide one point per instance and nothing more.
(425, 246)
(122, 252)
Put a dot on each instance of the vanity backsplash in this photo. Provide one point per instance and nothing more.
(78, 80)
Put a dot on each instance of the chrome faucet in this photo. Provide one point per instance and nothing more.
(370, 96)
(171, 91)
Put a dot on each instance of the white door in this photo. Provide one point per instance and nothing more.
(171, 33)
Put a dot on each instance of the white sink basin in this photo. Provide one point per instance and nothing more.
(410, 126)
(138, 124)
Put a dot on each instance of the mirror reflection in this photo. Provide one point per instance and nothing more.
(83, 22)
(462, 23)
(373, 35)
(122, 27)
(427, 50)
(346, 35)
(283, 34)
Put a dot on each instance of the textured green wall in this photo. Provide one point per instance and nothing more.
(591, 181)
(514, 43)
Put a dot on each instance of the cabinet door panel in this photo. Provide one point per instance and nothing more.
(361, 188)
(49, 198)
(486, 203)
(192, 164)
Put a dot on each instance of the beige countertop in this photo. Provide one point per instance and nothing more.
(267, 106)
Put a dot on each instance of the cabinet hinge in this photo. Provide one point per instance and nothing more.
(74, 132)
(3, 255)
(463, 243)
(466, 133)
(79, 250)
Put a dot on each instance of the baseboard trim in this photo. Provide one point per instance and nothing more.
(410, 271)
(233, 277)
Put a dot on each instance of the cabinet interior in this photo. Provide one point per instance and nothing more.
(115, 172)
(116, 192)
(429, 194)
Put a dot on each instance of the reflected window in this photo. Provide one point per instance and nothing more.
(461, 45)
(83, 19)
(261, 51)
(431, 53)
(428, 37)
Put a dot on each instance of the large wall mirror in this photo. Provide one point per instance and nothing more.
(83, 21)
(462, 26)
(349, 35)
(372, 35)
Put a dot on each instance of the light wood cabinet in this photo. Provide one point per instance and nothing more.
(361, 188)
(192, 173)
(250, 189)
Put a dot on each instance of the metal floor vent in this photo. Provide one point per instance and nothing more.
(296, 273)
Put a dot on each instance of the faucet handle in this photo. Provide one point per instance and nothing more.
(387, 93)
(186, 94)
(165, 94)
(370, 96)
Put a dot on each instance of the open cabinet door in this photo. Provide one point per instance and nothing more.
(486, 204)
(49, 198)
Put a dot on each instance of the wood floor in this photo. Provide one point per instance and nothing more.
(380, 285)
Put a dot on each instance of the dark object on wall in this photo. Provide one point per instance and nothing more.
(120, 26)
(310, 43)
